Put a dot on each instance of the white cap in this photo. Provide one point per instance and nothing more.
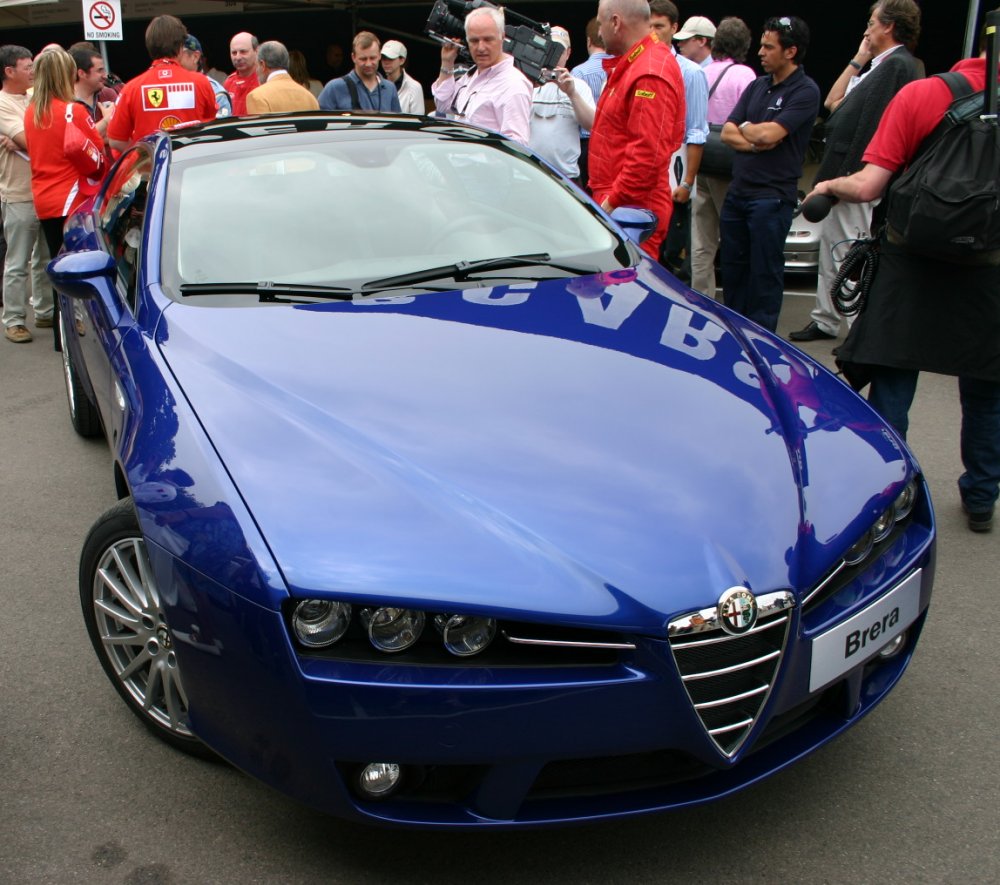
(696, 26)
(394, 49)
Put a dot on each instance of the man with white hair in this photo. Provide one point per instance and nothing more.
(494, 94)
(640, 117)
(558, 109)
(278, 93)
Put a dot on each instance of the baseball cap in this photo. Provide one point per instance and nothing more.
(393, 49)
(560, 35)
(191, 43)
(696, 26)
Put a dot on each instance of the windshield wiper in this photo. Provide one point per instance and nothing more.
(463, 270)
(268, 291)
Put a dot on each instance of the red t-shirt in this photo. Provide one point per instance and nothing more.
(639, 124)
(239, 87)
(160, 98)
(55, 182)
(914, 113)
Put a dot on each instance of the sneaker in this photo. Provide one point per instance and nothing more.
(979, 521)
(43, 322)
(18, 334)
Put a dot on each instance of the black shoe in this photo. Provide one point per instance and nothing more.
(979, 521)
(812, 332)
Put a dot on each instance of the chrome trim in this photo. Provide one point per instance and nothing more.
(565, 643)
(708, 674)
(776, 622)
(727, 728)
(822, 584)
(707, 620)
(732, 700)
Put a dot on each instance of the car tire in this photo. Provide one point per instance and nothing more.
(83, 414)
(126, 624)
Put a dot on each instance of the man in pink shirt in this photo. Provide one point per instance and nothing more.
(727, 79)
(494, 95)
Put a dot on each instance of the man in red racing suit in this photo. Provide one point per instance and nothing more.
(639, 122)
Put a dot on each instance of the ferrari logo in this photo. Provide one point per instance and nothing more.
(155, 96)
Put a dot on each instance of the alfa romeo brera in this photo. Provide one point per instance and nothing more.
(443, 506)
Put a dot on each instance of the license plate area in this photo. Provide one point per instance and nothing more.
(861, 636)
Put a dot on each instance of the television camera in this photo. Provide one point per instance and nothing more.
(530, 43)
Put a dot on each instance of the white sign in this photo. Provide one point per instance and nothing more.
(102, 19)
(859, 638)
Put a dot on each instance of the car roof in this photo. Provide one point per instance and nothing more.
(240, 128)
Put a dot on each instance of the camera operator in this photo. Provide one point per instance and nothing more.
(494, 95)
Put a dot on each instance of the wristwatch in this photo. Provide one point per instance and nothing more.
(743, 125)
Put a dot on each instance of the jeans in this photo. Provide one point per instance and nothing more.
(891, 395)
(25, 250)
(753, 256)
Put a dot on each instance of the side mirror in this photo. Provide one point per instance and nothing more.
(637, 223)
(77, 274)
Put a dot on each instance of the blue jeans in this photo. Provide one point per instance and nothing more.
(753, 234)
(891, 395)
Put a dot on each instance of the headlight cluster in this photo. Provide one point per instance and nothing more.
(883, 526)
(318, 623)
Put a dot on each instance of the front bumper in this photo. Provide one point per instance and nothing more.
(509, 747)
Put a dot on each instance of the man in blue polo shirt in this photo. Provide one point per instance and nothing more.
(769, 128)
(363, 88)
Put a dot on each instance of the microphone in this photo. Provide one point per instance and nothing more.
(818, 207)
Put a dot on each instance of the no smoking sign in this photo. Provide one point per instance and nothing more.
(102, 19)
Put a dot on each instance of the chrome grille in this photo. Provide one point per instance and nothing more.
(728, 678)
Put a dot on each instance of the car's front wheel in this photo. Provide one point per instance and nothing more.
(121, 607)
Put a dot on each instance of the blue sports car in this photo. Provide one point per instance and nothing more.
(443, 506)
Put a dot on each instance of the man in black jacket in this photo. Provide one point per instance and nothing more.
(879, 69)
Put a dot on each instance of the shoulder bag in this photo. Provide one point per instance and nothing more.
(717, 157)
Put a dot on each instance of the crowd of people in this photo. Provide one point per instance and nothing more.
(662, 114)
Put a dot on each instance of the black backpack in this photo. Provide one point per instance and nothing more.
(946, 205)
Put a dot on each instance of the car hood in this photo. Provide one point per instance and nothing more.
(605, 450)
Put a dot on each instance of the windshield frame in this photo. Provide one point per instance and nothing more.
(618, 253)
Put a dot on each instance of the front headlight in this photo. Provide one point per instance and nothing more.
(393, 629)
(320, 622)
(901, 507)
(463, 635)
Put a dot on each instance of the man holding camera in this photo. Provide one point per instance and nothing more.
(494, 95)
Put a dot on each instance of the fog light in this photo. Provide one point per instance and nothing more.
(320, 622)
(893, 647)
(860, 549)
(393, 629)
(465, 636)
(378, 779)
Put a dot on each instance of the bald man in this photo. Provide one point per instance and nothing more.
(243, 80)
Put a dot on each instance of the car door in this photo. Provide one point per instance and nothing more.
(119, 218)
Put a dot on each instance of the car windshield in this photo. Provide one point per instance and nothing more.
(350, 209)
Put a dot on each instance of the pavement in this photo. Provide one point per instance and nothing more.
(87, 796)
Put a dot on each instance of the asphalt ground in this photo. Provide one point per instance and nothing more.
(88, 796)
